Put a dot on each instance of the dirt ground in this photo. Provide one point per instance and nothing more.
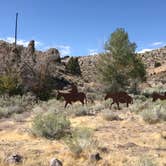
(124, 142)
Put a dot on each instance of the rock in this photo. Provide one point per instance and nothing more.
(15, 158)
(31, 47)
(95, 157)
(55, 162)
(31, 51)
(163, 134)
(104, 149)
(53, 55)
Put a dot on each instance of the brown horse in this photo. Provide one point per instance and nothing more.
(119, 97)
(156, 96)
(72, 97)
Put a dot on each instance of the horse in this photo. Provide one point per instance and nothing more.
(73, 97)
(156, 96)
(119, 97)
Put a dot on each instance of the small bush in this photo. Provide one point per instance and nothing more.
(157, 64)
(150, 116)
(10, 85)
(84, 111)
(51, 125)
(73, 66)
(145, 161)
(80, 139)
(155, 113)
(110, 116)
(7, 111)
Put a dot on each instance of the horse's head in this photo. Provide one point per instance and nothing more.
(108, 95)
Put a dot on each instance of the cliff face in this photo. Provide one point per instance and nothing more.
(17, 58)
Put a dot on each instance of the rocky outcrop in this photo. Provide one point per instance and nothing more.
(88, 66)
(158, 55)
(53, 55)
(24, 59)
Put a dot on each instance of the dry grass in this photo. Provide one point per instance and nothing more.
(126, 140)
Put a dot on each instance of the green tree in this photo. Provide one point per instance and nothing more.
(119, 66)
(73, 66)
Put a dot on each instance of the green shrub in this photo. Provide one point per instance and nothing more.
(84, 111)
(110, 116)
(10, 85)
(80, 140)
(7, 111)
(150, 116)
(145, 161)
(73, 66)
(157, 64)
(154, 113)
(51, 125)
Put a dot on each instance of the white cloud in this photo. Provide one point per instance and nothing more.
(64, 49)
(21, 41)
(92, 51)
(144, 50)
(157, 44)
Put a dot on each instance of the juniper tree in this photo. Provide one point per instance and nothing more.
(119, 66)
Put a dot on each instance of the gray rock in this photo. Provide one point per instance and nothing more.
(55, 162)
(95, 157)
(53, 55)
(15, 158)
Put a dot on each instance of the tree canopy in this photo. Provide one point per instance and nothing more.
(119, 66)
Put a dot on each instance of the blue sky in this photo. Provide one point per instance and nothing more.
(80, 27)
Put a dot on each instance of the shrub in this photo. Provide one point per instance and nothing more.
(84, 111)
(80, 139)
(10, 85)
(150, 116)
(51, 125)
(73, 66)
(7, 111)
(110, 116)
(145, 161)
(154, 113)
(157, 64)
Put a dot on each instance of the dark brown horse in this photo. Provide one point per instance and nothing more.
(72, 97)
(119, 97)
(156, 96)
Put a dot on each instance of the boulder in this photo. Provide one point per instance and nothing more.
(53, 55)
(55, 162)
(15, 158)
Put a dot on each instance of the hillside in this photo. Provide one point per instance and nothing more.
(87, 63)
(35, 133)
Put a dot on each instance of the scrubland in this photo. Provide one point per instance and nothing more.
(133, 136)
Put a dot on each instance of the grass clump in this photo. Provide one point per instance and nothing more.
(154, 113)
(150, 116)
(51, 125)
(79, 140)
(7, 111)
(145, 161)
(110, 116)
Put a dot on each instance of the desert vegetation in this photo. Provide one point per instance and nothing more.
(36, 128)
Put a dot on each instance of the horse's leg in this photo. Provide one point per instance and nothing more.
(82, 101)
(112, 104)
(66, 104)
(127, 104)
(118, 105)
